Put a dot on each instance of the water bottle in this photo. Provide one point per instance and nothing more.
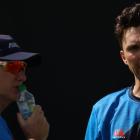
(26, 102)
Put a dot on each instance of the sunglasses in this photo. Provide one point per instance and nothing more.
(13, 67)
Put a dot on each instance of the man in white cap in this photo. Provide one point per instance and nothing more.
(12, 75)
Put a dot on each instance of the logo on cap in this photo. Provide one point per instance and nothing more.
(13, 45)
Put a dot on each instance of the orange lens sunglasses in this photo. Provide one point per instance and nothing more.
(13, 67)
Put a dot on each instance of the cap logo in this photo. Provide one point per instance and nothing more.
(13, 45)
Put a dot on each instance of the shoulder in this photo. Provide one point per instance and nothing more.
(111, 100)
(5, 132)
(104, 110)
(2, 120)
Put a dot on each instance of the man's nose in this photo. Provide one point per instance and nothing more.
(21, 76)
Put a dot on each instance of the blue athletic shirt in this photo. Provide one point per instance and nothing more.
(115, 117)
(5, 133)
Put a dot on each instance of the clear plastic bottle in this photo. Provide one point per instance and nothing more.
(26, 102)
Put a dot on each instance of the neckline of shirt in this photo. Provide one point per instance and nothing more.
(131, 95)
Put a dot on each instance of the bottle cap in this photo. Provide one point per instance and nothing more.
(22, 87)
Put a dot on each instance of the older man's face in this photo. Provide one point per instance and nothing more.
(9, 83)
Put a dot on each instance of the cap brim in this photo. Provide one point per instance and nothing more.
(19, 56)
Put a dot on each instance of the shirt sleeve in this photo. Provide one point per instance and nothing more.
(92, 132)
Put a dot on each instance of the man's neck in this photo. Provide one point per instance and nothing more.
(136, 89)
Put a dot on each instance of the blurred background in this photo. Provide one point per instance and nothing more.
(80, 59)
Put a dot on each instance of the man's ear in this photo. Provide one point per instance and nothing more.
(123, 57)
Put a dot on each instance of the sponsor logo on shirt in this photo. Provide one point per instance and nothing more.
(118, 133)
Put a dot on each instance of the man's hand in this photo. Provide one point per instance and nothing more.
(36, 126)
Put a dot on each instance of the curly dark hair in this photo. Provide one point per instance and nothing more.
(130, 17)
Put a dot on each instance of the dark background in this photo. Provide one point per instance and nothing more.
(80, 59)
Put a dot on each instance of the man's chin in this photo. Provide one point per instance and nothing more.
(14, 96)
